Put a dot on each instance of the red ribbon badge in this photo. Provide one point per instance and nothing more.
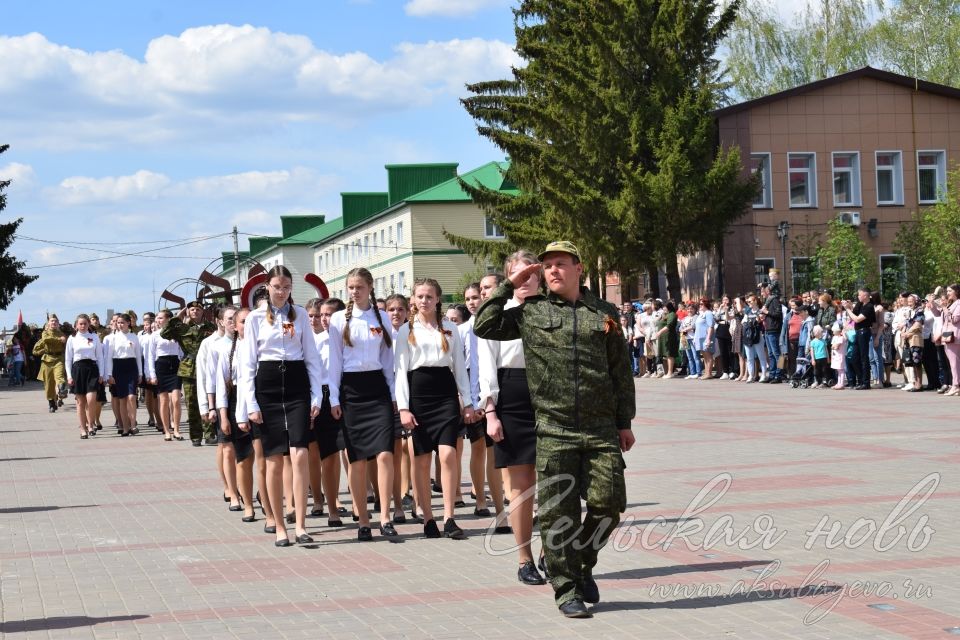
(289, 328)
(376, 331)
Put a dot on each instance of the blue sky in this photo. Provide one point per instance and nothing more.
(144, 121)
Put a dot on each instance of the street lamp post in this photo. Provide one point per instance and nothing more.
(782, 232)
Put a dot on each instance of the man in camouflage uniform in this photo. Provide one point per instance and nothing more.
(189, 335)
(581, 387)
(50, 348)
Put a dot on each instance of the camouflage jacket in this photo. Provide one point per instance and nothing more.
(50, 347)
(578, 368)
(189, 336)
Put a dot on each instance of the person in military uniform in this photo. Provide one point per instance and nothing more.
(50, 349)
(189, 335)
(581, 388)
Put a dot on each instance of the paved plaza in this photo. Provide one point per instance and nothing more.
(798, 534)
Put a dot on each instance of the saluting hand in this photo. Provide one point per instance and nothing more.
(524, 274)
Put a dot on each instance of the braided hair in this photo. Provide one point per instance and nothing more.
(280, 271)
(233, 346)
(365, 275)
(429, 282)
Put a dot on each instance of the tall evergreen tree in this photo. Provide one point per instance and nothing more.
(610, 134)
(12, 279)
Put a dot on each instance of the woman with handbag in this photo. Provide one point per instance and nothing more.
(948, 336)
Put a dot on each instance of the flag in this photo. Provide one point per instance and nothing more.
(20, 319)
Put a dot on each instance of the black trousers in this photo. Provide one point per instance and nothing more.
(861, 357)
(946, 376)
(930, 365)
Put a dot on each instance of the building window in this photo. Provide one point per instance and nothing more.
(382, 237)
(893, 275)
(846, 179)
(366, 245)
(931, 176)
(402, 283)
(400, 235)
(390, 234)
(490, 230)
(320, 265)
(889, 177)
(393, 284)
(760, 163)
(761, 268)
(803, 275)
(802, 173)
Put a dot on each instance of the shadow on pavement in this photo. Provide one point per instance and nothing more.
(50, 508)
(721, 600)
(62, 622)
(659, 572)
(24, 459)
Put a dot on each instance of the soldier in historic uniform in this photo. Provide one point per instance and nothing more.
(582, 392)
(189, 335)
(50, 348)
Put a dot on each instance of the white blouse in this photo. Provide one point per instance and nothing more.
(494, 355)
(284, 340)
(156, 348)
(368, 353)
(469, 339)
(206, 361)
(226, 377)
(84, 346)
(428, 352)
(119, 346)
(322, 340)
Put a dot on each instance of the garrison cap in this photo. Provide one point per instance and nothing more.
(195, 304)
(561, 246)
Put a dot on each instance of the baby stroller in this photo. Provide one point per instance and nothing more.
(803, 376)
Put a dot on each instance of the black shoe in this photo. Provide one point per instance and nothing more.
(435, 486)
(861, 387)
(528, 574)
(400, 518)
(211, 440)
(342, 511)
(124, 434)
(315, 513)
(415, 518)
(591, 593)
(270, 528)
(226, 498)
(283, 543)
(376, 506)
(196, 443)
(291, 517)
(134, 431)
(459, 504)
(776, 381)
(334, 523)
(371, 499)
(235, 507)
(482, 513)
(542, 565)
(252, 518)
(364, 534)
(304, 538)
(452, 531)
(387, 530)
(83, 436)
(407, 501)
(575, 609)
(502, 529)
(430, 529)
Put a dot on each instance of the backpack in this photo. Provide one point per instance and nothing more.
(751, 331)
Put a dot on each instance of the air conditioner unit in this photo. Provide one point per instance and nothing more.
(851, 218)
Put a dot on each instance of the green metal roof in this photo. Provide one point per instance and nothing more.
(404, 180)
(259, 244)
(315, 234)
(489, 175)
(292, 225)
(357, 206)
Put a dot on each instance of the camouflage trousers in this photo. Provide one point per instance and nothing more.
(572, 466)
(198, 428)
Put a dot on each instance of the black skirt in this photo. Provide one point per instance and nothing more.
(367, 414)
(85, 374)
(435, 404)
(329, 432)
(242, 442)
(125, 376)
(283, 394)
(519, 444)
(167, 378)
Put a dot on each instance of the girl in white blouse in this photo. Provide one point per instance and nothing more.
(433, 395)
(85, 368)
(124, 372)
(510, 419)
(362, 391)
(162, 362)
(281, 382)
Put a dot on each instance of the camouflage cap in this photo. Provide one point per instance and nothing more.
(561, 246)
(195, 304)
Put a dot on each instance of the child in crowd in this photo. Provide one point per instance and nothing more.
(838, 354)
(818, 356)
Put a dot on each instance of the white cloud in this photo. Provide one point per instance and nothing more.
(256, 221)
(22, 177)
(45, 255)
(221, 81)
(298, 183)
(451, 8)
(143, 185)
